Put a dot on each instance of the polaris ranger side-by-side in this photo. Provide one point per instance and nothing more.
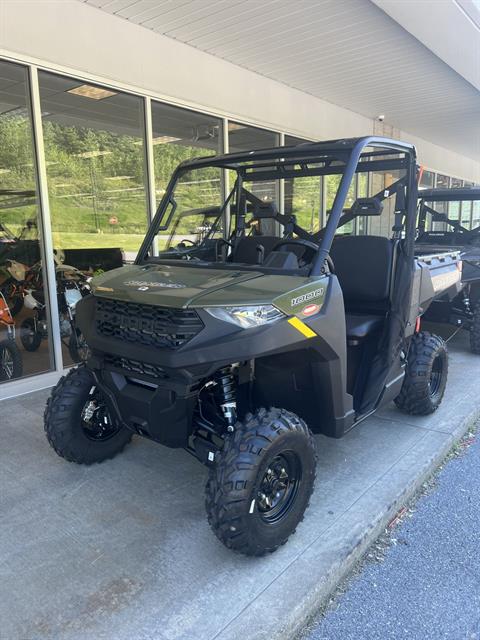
(464, 310)
(238, 331)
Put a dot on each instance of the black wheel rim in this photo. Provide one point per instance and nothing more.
(96, 421)
(6, 363)
(436, 375)
(279, 487)
(29, 334)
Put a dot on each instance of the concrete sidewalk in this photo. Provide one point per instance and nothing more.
(122, 550)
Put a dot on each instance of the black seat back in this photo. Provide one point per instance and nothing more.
(363, 265)
(246, 252)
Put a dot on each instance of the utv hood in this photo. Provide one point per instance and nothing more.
(166, 285)
(185, 286)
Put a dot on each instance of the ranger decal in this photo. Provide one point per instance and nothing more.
(143, 285)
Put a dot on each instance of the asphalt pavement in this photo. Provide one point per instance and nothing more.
(427, 586)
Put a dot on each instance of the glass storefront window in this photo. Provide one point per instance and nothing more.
(179, 134)
(475, 214)
(94, 152)
(442, 181)
(25, 340)
(292, 141)
(427, 180)
(466, 209)
(454, 210)
(95, 159)
(331, 186)
(241, 137)
(304, 196)
(362, 192)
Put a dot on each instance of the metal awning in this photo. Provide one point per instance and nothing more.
(348, 52)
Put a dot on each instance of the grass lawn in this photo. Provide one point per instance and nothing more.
(125, 241)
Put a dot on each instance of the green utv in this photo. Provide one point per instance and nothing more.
(240, 330)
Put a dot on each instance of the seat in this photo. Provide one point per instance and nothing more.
(363, 266)
(360, 326)
(246, 249)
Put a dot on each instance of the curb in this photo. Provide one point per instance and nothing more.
(311, 578)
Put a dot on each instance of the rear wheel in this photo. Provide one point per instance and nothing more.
(78, 423)
(29, 336)
(261, 482)
(426, 375)
(475, 329)
(11, 365)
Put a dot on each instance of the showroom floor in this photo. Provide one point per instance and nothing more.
(122, 550)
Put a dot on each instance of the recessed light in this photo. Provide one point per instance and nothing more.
(233, 126)
(90, 91)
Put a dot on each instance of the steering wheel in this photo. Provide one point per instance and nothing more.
(306, 257)
(308, 254)
(181, 244)
(331, 266)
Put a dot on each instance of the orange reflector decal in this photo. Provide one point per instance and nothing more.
(302, 327)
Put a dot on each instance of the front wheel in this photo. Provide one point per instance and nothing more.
(426, 375)
(11, 364)
(261, 482)
(30, 337)
(78, 424)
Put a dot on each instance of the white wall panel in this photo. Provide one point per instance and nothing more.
(76, 37)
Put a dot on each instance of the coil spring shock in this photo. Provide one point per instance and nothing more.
(226, 395)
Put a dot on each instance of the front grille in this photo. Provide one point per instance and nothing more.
(134, 366)
(145, 324)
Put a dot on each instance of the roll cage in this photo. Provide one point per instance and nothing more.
(344, 157)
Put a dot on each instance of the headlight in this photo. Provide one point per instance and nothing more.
(247, 317)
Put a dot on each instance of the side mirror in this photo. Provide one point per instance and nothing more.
(367, 207)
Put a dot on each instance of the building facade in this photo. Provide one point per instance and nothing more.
(100, 100)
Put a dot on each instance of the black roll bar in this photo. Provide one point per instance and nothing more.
(342, 192)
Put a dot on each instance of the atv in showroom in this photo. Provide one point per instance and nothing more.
(239, 331)
(464, 310)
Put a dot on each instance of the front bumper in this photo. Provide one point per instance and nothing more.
(161, 412)
(153, 391)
